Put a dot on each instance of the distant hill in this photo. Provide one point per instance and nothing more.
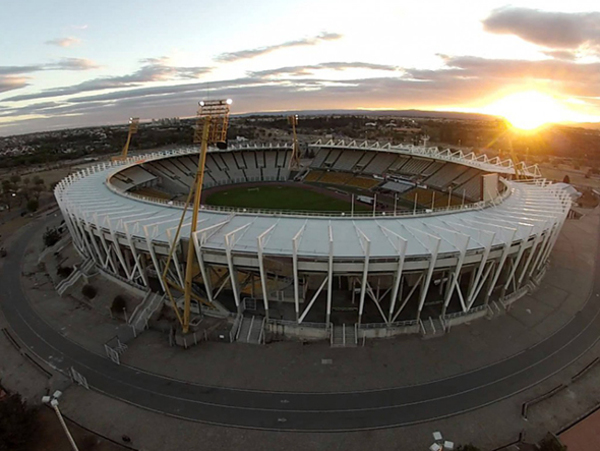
(592, 125)
(386, 113)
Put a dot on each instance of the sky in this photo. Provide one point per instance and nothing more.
(67, 63)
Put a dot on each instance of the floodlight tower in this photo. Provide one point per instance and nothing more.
(134, 123)
(295, 158)
(212, 120)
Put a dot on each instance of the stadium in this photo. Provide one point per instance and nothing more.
(363, 240)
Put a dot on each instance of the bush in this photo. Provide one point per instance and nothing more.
(89, 291)
(18, 424)
(567, 179)
(32, 205)
(51, 237)
(468, 447)
(64, 271)
(119, 304)
(551, 444)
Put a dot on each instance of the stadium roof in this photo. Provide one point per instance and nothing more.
(523, 211)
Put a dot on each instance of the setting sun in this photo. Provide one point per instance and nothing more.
(529, 110)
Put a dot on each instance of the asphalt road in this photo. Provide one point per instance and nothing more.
(296, 411)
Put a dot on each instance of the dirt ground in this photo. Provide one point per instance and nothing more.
(52, 437)
(577, 177)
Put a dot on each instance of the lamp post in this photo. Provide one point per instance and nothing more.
(53, 402)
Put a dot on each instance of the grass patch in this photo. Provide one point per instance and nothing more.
(277, 197)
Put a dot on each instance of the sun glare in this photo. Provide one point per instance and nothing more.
(529, 110)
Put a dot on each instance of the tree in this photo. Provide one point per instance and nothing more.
(89, 291)
(18, 424)
(51, 237)
(37, 189)
(118, 304)
(567, 179)
(33, 205)
(551, 444)
(15, 178)
(64, 271)
(468, 447)
(6, 186)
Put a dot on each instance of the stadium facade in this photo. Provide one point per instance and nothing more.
(458, 247)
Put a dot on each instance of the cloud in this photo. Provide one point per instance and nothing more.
(61, 64)
(252, 53)
(72, 64)
(310, 69)
(549, 29)
(64, 42)
(10, 82)
(566, 55)
(15, 70)
(152, 70)
(460, 81)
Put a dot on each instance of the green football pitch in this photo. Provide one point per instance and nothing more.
(277, 197)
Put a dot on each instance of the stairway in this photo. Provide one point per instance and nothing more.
(151, 303)
(344, 336)
(251, 330)
(432, 328)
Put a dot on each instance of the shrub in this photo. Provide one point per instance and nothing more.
(551, 444)
(468, 447)
(89, 291)
(51, 237)
(32, 205)
(18, 424)
(567, 179)
(118, 304)
(64, 271)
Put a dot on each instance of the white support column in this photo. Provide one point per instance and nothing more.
(157, 267)
(232, 273)
(532, 252)
(93, 241)
(115, 244)
(295, 245)
(329, 275)
(136, 256)
(230, 240)
(400, 244)
(432, 243)
(107, 249)
(462, 242)
(507, 247)
(175, 258)
(261, 266)
(312, 301)
(541, 250)
(363, 285)
(517, 260)
(203, 269)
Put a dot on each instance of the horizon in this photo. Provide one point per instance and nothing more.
(86, 67)
(427, 114)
